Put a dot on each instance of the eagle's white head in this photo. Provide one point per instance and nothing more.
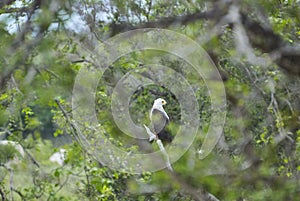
(159, 102)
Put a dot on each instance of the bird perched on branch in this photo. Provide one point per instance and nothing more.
(159, 119)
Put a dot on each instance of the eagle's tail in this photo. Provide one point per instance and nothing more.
(165, 136)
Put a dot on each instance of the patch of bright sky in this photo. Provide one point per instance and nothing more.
(13, 23)
(75, 22)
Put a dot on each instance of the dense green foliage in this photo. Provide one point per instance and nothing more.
(45, 43)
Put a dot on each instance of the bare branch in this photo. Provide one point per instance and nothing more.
(59, 188)
(18, 192)
(75, 131)
(2, 195)
(32, 158)
(261, 37)
(11, 171)
(267, 41)
(213, 14)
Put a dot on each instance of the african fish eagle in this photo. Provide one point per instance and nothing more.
(159, 119)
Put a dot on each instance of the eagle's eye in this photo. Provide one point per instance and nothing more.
(163, 102)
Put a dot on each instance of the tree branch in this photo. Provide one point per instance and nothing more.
(32, 159)
(73, 125)
(267, 41)
(213, 14)
(11, 171)
(2, 195)
(263, 38)
(195, 193)
(18, 45)
(152, 137)
(18, 192)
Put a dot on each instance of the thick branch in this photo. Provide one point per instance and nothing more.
(213, 14)
(266, 40)
(289, 59)
(6, 3)
(263, 38)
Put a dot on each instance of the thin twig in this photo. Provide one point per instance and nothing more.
(18, 192)
(282, 132)
(60, 187)
(15, 84)
(32, 158)
(11, 171)
(88, 182)
(2, 195)
(71, 123)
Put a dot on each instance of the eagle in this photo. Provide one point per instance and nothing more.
(159, 119)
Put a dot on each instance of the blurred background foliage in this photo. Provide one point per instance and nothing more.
(255, 46)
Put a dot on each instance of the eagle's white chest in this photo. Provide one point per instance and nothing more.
(160, 108)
